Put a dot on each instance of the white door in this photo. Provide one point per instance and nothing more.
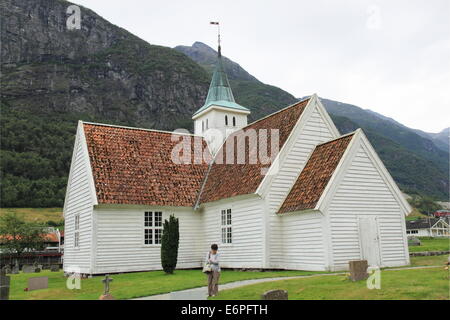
(370, 248)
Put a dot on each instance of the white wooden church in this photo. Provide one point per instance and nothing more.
(324, 200)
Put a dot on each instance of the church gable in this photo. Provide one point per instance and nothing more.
(229, 180)
(134, 166)
(80, 186)
(316, 175)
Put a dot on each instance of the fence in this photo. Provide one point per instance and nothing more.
(43, 258)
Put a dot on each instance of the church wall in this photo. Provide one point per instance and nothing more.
(246, 250)
(120, 239)
(300, 242)
(78, 202)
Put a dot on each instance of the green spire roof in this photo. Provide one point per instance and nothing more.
(219, 90)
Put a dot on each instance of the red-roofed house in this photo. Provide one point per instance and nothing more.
(321, 201)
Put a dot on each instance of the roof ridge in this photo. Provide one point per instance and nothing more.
(141, 129)
(340, 137)
(276, 112)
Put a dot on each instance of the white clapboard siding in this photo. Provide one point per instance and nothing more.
(120, 244)
(298, 243)
(78, 201)
(363, 192)
(246, 251)
(315, 131)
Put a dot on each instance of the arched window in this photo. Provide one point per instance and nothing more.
(203, 126)
(234, 121)
(226, 120)
(207, 126)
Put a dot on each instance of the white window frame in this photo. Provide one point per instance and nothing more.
(76, 234)
(226, 226)
(152, 223)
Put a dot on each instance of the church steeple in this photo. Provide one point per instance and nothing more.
(219, 93)
(219, 89)
(220, 111)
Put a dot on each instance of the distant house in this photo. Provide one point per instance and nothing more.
(442, 213)
(54, 241)
(429, 227)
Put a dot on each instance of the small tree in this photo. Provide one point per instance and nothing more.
(169, 244)
(16, 235)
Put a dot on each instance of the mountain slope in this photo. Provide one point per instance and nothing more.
(52, 77)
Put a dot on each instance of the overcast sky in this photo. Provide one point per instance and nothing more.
(390, 56)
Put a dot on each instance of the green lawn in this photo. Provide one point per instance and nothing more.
(428, 284)
(42, 215)
(431, 244)
(129, 285)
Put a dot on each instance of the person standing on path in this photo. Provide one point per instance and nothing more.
(212, 259)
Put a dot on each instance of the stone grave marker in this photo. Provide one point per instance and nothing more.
(37, 283)
(7, 269)
(358, 270)
(4, 285)
(54, 268)
(414, 241)
(15, 269)
(106, 295)
(26, 268)
(275, 295)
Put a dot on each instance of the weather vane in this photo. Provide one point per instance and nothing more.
(218, 33)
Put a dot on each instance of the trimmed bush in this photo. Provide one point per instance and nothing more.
(169, 244)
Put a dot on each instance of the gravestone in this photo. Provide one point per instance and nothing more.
(414, 241)
(54, 268)
(106, 295)
(7, 269)
(37, 283)
(275, 295)
(15, 270)
(37, 268)
(4, 285)
(358, 270)
(28, 268)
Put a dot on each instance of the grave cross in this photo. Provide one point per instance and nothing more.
(106, 281)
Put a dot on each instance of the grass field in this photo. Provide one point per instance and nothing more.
(41, 215)
(430, 244)
(129, 285)
(423, 284)
(429, 261)
(132, 285)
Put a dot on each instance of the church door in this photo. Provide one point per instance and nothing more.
(370, 244)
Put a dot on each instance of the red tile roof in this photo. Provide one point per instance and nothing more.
(228, 180)
(51, 237)
(313, 179)
(134, 166)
